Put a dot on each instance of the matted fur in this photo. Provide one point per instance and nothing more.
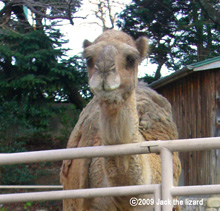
(122, 115)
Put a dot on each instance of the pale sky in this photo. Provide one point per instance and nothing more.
(88, 28)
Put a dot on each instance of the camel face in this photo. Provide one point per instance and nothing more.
(112, 63)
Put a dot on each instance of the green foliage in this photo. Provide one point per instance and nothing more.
(26, 65)
(67, 116)
(71, 81)
(14, 125)
(28, 205)
(148, 79)
(180, 32)
(3, 209)
(34, 78)
(11, 121)
(32, 81)
(32, 68)
(16, 175)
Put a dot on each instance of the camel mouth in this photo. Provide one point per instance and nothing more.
(110, 97)
(116, 97)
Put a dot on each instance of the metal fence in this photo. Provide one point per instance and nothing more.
(163, 192)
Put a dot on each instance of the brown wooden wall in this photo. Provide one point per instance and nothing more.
(196, 110)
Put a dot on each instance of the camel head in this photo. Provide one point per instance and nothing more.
(112, 64)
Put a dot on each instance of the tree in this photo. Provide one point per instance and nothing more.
(180, 32)
(34, 74)
(29, 68)
(40, 9)
(34, 53)
(211, 9)
(104, 12)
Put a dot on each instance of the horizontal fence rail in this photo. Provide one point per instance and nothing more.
(195, 190)
(165, 191)
(113, 150)
(31, 186)
(80, 193)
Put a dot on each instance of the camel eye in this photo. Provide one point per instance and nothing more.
(90, 62)
(130, 61)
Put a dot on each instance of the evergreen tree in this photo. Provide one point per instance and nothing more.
(180, 31)
(34, 74)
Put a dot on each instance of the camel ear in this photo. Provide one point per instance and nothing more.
(142, 46)
(86, 43)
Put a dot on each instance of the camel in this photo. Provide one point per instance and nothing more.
(121, 111)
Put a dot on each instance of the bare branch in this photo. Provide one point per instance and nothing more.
(112, 19)
(64, 10)
(106, 12)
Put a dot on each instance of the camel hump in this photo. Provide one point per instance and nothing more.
(155, 115)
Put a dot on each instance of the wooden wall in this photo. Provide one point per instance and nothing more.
(196, 110)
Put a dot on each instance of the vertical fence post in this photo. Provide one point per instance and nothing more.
(157, 196)
(167, 179)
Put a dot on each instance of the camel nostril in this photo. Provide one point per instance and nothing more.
(95, 82)
(112, 82)
(104, 82)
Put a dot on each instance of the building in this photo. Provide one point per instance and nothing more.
(194, 93)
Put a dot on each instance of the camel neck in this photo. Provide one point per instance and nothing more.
(119, 125)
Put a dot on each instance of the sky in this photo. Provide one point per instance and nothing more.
(90, 29)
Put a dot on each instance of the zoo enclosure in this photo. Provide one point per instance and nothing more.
(164, 191)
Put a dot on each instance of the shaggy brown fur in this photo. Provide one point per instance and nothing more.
(117, 114)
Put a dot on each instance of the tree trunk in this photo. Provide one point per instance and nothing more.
(74, 96)
(158, 71)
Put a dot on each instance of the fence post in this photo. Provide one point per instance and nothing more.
(167, 179)
(157, 196)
